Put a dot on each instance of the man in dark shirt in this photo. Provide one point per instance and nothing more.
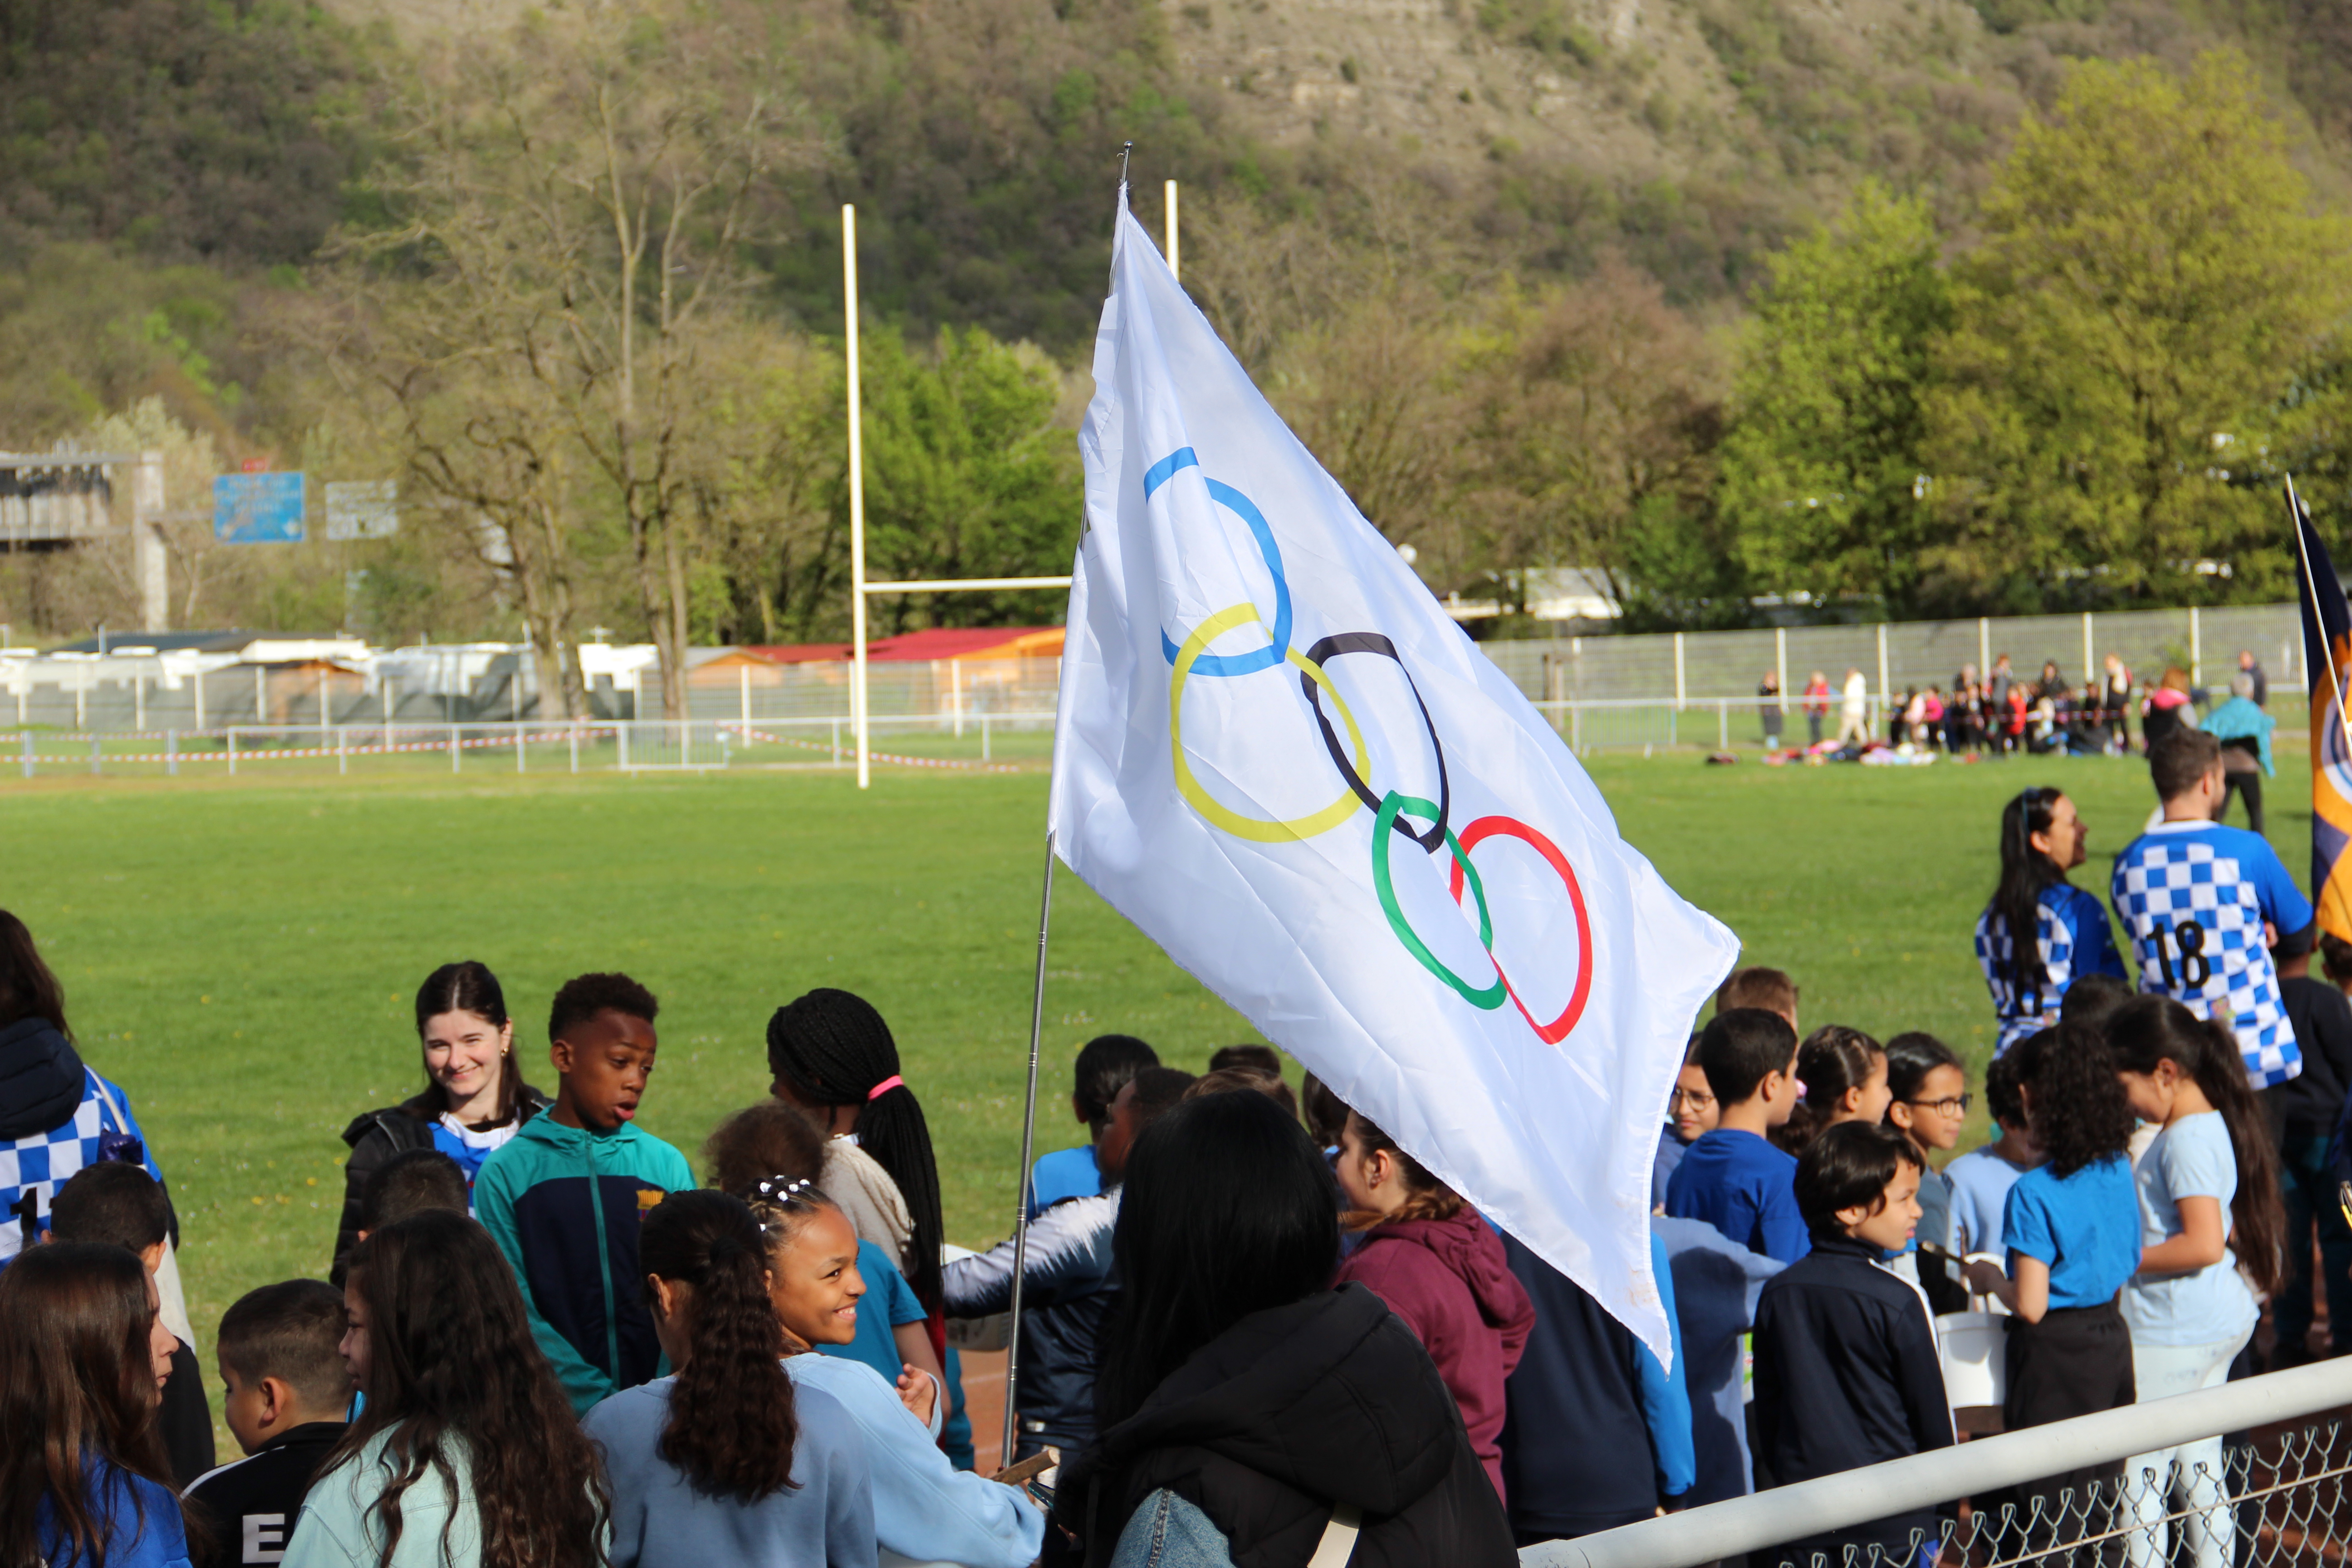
(2251, 667)
(287, 1389)
(2302, 1113)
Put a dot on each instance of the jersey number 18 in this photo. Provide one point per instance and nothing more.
(2195, 969)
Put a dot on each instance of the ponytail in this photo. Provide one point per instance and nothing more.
(834, 1049)
(732, 1425)
(1833, 1062)
(1426, 1197)
(2025, 871)
(2151, 1029)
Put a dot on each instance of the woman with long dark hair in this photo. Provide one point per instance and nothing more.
(724, 1461)
(474, 1097)
(465, 1454)
(2040, 933)
(83, 1355)
(1244, 1402)
(2212, 1229)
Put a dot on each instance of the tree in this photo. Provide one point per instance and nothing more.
(1822, 462)
(2154, 278)
(967, 473)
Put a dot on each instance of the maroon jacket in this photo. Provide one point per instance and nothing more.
(1448, 1280)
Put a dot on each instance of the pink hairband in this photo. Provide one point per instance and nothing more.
(884, 1086)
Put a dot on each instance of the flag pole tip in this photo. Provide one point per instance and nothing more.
(1125, 149)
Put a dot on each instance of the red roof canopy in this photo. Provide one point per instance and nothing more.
(940, 642)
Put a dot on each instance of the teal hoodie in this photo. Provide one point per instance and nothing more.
(563, 1204)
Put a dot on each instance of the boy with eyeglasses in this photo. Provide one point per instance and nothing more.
(1691, 1111)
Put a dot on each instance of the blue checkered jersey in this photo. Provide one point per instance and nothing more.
(34, 1168)
(2071, 933)
(2192, 897)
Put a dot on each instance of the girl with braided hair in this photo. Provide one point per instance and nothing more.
(834, 1057)
(925, 1510)
(727, 1461)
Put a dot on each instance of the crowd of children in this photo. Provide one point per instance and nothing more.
(1243, 1337)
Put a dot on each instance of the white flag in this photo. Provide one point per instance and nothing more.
(1279, 759)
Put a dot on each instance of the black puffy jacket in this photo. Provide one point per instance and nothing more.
(1330, 1400)
(375, 1136)
(40, 1079)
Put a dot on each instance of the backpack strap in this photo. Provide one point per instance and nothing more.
(1339, 1543)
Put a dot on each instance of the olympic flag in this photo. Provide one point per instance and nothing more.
(1279, 759)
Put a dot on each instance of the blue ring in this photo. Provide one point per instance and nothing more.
(1278, 642)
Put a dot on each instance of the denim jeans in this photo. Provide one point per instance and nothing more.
(2311, 1203)
(1166, 1532)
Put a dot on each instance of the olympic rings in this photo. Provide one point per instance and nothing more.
(1394, 805)
(1486, 827)
(1256, 830)
(1323, 653)
(1278, 645)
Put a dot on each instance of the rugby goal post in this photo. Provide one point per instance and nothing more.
(860, 589)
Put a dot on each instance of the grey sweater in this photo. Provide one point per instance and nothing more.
(660, 1521)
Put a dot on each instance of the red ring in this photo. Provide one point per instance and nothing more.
(1486, 827)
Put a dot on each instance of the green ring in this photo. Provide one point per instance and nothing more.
(1392, 805)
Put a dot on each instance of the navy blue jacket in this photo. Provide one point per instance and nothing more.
(1847, 1374)
(1065, 1294)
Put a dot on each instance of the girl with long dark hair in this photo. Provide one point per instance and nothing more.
(2072, 1226)
(474, 1097)
(924, 1509)
(83, 1355)
(2040, 933)
(465, 1454)
(2211, 1221)
(1428, 1255)
(1291, 1414)
(724, 1461)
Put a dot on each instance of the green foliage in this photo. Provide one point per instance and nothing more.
(2153, 282)
(1540, 24)
(1819, 465)
(967, 474)
(221, 128)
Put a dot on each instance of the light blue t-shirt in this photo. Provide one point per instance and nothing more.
(2084, 1226)
(1064, 1173)
(2191, 1158)
(1980, 1181)
(888, 1301)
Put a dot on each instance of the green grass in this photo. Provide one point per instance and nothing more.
(241, 956)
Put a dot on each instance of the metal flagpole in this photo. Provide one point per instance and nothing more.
(1028, 1147)
(1172, 248)
(2303, 553)
(856, 493)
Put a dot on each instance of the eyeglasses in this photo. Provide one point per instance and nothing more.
(1696, 1099)
(1957, 1105)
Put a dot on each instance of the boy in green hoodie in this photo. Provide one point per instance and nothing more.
(563, 1197)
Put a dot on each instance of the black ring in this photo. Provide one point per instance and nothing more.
(1373, 642)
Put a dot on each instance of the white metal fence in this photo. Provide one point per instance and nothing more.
(2279, 1501)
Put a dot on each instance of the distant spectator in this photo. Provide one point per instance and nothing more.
(2115, 694)
(1770, 706)
(1105, 1063)
(1732, 1177)
(2244, 731)
(83, 1350)
(121, 1205)
(1817, 707)
(1847, 1370)
(2252, 668)
(2165, 708)
(1756, 986)
(1328, 1412)
(1854, 711)
(474, 1097)
(280, 1357)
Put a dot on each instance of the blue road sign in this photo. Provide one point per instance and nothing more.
(257, 509)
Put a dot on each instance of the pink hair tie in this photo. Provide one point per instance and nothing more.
(884, 1086)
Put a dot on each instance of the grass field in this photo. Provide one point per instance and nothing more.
(241, 956)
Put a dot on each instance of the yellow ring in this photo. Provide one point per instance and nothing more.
(1258, 830)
